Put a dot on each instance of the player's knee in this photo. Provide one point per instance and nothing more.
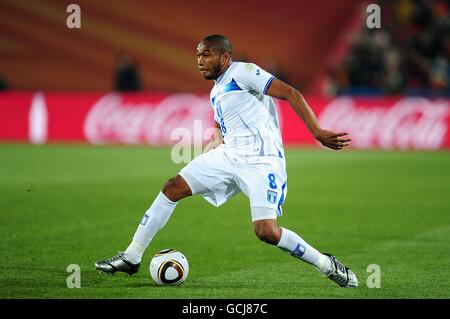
(268, 233)
(171, 191)
(175, 189)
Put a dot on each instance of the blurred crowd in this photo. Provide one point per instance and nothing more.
(126, 75)
(409, 54)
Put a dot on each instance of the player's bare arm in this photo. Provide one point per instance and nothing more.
(283, 91)
(216, 139)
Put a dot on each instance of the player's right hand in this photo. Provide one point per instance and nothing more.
(335, 141)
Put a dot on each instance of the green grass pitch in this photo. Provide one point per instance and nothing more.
(62, 205)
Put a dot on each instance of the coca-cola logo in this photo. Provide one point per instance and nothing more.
(111, 120)
(410, 123)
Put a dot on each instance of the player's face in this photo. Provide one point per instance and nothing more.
(209, 61)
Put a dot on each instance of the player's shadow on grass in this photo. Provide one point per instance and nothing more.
(196, 285)
(142, 284)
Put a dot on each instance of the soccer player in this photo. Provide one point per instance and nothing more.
(246, 154)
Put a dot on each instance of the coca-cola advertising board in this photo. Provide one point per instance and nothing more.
(152, 119)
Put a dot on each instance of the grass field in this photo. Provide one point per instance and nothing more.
(62, 205)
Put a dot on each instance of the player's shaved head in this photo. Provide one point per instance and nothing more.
(218, 42)
(213, 56)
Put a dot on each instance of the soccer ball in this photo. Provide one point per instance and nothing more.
(169, 267)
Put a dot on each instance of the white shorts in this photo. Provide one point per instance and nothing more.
(220, 174)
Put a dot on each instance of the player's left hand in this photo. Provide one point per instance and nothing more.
(335, 141)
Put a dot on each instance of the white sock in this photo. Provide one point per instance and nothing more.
(154, 219)
(297, 247)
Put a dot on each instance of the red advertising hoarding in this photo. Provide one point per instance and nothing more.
(148, 118)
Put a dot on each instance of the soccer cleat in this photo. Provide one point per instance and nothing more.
(117, 263)
(340, 274)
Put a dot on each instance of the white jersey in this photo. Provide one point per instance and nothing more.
(252, 158)
(247, 116)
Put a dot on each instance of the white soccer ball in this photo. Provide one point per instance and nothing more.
(169, 267)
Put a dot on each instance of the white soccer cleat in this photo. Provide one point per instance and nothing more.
(340, 274)
(352, 280)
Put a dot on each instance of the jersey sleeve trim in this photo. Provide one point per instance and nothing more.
(268, 84)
